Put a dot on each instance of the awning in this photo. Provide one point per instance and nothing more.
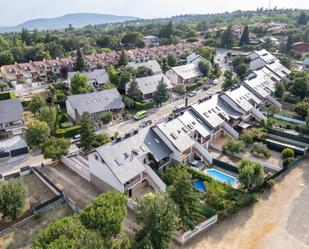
(244, 125)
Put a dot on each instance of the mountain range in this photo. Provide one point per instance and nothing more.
(77, 20)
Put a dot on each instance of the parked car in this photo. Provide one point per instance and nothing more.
(75, 139)
(206, 87)
(215, 82)
(192, 93)
(140, 115)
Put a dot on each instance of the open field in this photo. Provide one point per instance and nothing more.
(280, 220)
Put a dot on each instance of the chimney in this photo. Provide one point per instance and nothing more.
(186, 101)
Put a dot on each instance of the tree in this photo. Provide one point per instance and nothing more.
(167, 30)
(241, 70)
(206, 52)
(289, 43)
(143, 72)
(161, 94)
(173, 173)
(106, 117)
(300, 87)
(172, 60)
(112, 75)
(80, 83)
(13, 196)
(54, 148)
(205, 67)
(227, 37)
(247, 139)
(67, 233)
(229, 80)
(302, 109)
(272, 110)
(37, 133)
(106, 214)
(133, 90)
(244, 39)
(279, 90)
(187, 200)
(6, 58)
(164, 65)
(287, 153)
(100, 139)
(79, 63)
(268, 44)
(87, 132)
(48, 114)
(233, 146)
(302, 19)
(133, 39)
(158, 214)
(251, 174)
(123, 59)
(37, 102)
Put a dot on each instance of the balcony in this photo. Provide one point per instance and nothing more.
(132, 183)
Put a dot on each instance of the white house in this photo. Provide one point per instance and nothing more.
(184, 74)
(151, 41)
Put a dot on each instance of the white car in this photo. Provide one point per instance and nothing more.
(75, 139)
(192, 93)
(215, 82)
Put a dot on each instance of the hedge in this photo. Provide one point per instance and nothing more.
(7, 95)
(140, 106)
(68, 132)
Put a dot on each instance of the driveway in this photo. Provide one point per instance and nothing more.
(280, 220)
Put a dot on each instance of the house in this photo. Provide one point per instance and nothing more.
(194, 58)
(92, 61)
(9, 72)
(152, 64)
(11, 118)
(302, 47)
(95, 103)
(151, 41)
(184, 74)
(127, 165)
(276, 28)
(97, 77)
(306, 65)
(148, 85)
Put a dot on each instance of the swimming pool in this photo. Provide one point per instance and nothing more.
(199, 185)
(221, 176)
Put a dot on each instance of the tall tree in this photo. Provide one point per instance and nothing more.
(13, 196)
(6, 58)
(67, 233)
(87, 132)
(80, 83)
(244, 39)
(233, 146)
(251, 174)
(37, 133)
(289, 43)
(113, 75)
(123, 60)
(302, 19)
(79, 63)
(158, 214)
(48, 114)
(54, 148)
(167, 30)
(227, 37)
(172, 60)
(37, 102)
(205, 67)
(161, 94)
(133, 90)
(229, 80)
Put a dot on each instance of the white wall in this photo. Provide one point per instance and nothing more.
(172, 76)
(103, 172)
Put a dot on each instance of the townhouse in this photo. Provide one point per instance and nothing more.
(184, 74)
(151, 64)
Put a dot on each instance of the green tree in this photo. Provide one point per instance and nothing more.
(112, 75)
(233, 146)
(289, 44)
(302, 109)
(167, 30)
(37, 133)
(67, 233)
(143, 72)
(268, 44)
(161, 94)
(287, 153)
(272, 110)
(37, 102)
(244, 39)
(133, 90)
(187, 200)
(54, 148)
(164, 65)
(87, 132)
(158, 214)
(132, 39)
(279, 90)
(100, 139)
(6, 58)
(79, 63)
(80, 83)
(13, 196)
(123, 59)
(48, 114)
(205, 67)
(302, 19)
(251, 174)
(229, 80)
(106, 117)
(247, 139)
(172, 60)
(106, 214)
(227, 38)
(206, 52)
(241, 70)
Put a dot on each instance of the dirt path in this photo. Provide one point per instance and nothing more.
(280, 220)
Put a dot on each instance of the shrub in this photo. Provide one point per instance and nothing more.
(233, 146)
(251, 174)
(140, 106)
(270, 183)
(247, 139)
(192, 87)
(287, 153)
(287, 161)
(258, 133)
(106, 117)
(180, 89)
(68, 132)
(261, 150)
(7, 95)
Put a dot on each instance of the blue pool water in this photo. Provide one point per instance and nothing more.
(199, 185)
(221, 176)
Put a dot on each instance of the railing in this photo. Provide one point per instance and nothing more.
(155, 178)
(258, 114)
(229, 129)
(273, 101)
(203, 151)
(133, 183)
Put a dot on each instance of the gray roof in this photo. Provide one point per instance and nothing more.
(152, 64)
(97, 101)
(125, 158)
(98, 75)
(10, 110)
(306, 61)
(149, 84)
(187, 71)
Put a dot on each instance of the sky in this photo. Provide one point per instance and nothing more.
(18, 11)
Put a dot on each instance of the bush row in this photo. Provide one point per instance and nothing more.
(140, 106)
(7, 95)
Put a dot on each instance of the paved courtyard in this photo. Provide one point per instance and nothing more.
(280, 220)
